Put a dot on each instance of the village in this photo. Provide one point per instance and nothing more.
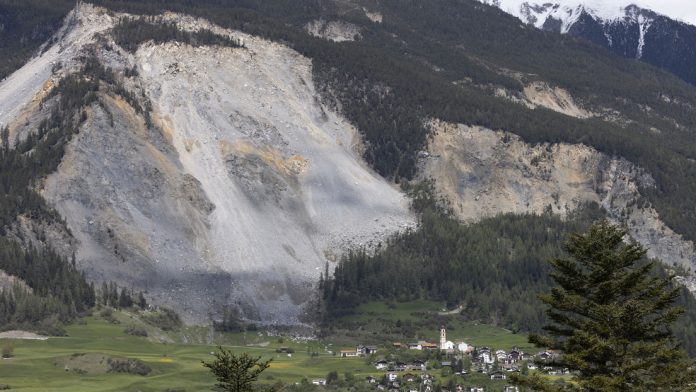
(420, 366)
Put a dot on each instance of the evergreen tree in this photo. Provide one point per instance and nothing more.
(142, 302)
(125, 300)
(611, 319)
(236, 373)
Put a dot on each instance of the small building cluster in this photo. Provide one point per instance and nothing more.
(359, 351)
(414, 375)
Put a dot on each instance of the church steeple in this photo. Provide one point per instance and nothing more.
(443, 338)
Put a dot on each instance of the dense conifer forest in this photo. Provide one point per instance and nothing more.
(26, 25)
(57, 292)
(129, 33)
(495, 269)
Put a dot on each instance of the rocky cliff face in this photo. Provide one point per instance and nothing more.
(236, 193)
(236, 185)
(484, 173)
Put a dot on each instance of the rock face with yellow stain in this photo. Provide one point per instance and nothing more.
(235, 195)
(484, 173)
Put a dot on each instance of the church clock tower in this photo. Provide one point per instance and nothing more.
(443, 338)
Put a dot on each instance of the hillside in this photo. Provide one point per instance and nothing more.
(219, 156)
(627, 30)
(226, 200)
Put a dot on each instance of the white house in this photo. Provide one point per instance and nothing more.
(319, 381)
(381, 365)
(391, 377)
(501, 355)
(462, 347)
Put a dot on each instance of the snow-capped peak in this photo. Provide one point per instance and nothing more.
(536, 12)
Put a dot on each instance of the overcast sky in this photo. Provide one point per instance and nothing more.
(684, 10)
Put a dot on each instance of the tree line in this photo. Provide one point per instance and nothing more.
(57, 291)
(495, 268)
(129, 33)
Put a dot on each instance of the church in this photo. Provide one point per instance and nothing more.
(448, 345)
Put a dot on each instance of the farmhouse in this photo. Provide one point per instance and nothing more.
(498, 376)
(367, 350)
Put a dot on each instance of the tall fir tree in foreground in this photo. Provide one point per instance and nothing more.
(611, 319)
(236, 373)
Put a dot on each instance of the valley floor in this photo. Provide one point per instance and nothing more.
(78, 362)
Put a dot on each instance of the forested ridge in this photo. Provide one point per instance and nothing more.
(495, 269)
(57, 292)
(129, 33)
(444, 59)
(25, 26)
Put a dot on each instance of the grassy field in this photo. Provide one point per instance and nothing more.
(77, 362)
(40, 365)
(378, 319)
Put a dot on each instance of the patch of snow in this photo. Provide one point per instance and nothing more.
(537, 12)
(644, 25)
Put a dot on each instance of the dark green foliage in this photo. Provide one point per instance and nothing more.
(47, 274)
(611, 318)
(236, 373)
(130, 366)
(129, 33)
(163, 318)
(7, 351)
(493, 267)
(230, 322)
(40, 153)
(59, 291)
(332, 378)
(27, 24)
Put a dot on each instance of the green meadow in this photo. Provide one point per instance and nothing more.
(77, 362)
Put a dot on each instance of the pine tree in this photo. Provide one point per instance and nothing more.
(142, 302)
(125, 300)
(236, 373)
(611, 319)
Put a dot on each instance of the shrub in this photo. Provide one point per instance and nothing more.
(135, 331)
(130, 366)
(7, 351)
(165, 319)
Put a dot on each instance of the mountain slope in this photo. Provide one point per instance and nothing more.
(213, 174)
(235, 186)
(629, 31)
